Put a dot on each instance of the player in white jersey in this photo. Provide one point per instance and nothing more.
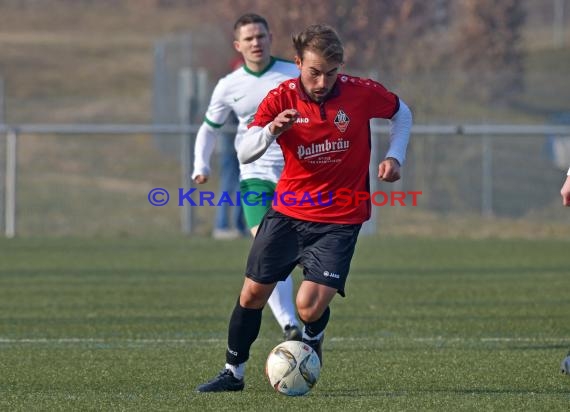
(241, 92)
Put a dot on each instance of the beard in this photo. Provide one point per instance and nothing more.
(319, 97)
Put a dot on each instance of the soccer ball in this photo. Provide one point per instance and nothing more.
(565, 365)
(293, 368)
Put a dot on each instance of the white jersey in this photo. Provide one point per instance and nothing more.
(241, 92)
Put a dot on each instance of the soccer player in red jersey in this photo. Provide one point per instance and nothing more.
(321, 121)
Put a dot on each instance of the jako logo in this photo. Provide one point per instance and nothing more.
(328, 274)
(302, 120)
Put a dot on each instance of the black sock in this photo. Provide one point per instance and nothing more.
(312, 329)
(243, 330)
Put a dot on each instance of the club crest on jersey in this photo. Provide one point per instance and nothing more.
(341, 121)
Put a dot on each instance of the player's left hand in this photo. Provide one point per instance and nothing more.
(201, 179)
(389, 170)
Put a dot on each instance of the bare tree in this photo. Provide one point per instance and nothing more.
(400, 40)
(489, 48)
(384, 35)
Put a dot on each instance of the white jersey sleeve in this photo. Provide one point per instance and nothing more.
(216, 115)
(400, 126)
(255, 143)
(219, 108)
(203, 149)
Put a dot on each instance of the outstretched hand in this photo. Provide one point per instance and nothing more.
(389, 170)
(283, 121)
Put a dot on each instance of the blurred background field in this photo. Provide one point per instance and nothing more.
(454, 62)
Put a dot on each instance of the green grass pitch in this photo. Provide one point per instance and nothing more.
(427, 324)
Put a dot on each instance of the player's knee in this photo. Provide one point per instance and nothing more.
(309, 313)
(307, 316)
(251, 300)
(254, 295)
(311, 306)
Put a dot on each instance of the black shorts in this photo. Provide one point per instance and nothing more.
(323, 249)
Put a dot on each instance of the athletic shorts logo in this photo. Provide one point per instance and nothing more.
(328, 274)
(341, 121)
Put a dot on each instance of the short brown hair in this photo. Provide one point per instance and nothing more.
(249, 18)
(321, 39)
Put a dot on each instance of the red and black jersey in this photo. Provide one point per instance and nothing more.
(327, 151)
